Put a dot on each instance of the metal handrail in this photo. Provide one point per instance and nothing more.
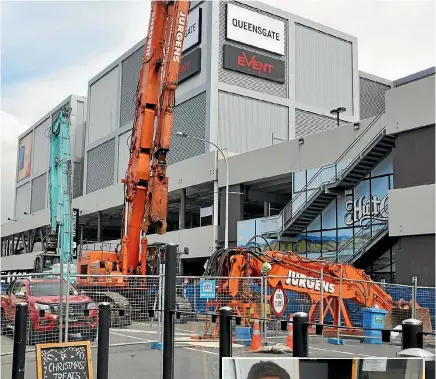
(321, 169)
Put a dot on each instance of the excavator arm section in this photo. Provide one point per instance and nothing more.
(146, 184)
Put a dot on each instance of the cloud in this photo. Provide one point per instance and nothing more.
(27, 101)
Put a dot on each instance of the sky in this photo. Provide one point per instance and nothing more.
(50, 49)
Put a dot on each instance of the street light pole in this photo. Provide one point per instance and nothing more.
(226, 225)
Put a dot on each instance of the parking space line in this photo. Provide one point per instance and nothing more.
(136, 338)
(201, 351)
(341, 352)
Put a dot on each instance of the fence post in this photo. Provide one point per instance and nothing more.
(169, 309)
(104, 314)
(301, 334)
(411, 336)
(225, 343)
(20, 336)
(414, 296)
(321, 304)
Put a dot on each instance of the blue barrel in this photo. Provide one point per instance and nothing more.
(373, 318)
(243, 333)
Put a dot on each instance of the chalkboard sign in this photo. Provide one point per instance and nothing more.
(69, 360)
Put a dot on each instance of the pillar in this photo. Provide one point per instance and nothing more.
(99, 226)
(236, 212)
(182, 209)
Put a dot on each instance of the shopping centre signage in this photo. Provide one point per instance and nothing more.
(255, 29)
(254, 64)
(360, 211)
(190, 65)
(193, 29)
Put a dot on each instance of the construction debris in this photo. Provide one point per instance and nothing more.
(278, 348)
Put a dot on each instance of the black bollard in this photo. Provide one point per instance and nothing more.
(225, 336)
(104, 315)
(169, 309)
(20, 336)
(301, 334)
(411, 336)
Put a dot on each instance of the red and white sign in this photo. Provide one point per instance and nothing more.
(279, 300)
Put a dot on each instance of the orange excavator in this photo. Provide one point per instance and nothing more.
(146, 183)
(341, 286)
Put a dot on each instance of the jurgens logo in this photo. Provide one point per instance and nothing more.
(360, 211)
(179, 37)
(300, 280)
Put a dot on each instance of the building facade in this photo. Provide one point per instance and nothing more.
(261, 84)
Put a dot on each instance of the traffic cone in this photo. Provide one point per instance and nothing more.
(256, 343)
(290, 338)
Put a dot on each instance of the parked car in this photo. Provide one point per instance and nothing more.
(42, 297)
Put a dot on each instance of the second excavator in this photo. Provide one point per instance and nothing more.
(340, 286)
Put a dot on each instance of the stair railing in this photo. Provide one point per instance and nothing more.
(364, 229)
(288, 212)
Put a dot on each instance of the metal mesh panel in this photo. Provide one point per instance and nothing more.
(372, 98)
(189, 117)
(39, 193)
(247, 81)
(77, 179)
(100, 166)
(129, 81)
(308, 123)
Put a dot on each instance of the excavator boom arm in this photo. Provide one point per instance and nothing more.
(146, 184)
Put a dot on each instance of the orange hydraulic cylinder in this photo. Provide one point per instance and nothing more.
(143, 256)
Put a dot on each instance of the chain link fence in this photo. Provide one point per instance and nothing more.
(137, 301)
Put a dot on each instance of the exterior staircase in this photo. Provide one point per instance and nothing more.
(331, 180)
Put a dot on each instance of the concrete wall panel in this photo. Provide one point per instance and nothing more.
(411, 211)
(414, 158)
(22, 201)
(246, 124)
(39, 193)
(103, 106)
(323, 70)
(411, 106)
(41, 154)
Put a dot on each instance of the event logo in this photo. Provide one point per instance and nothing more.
(190, 64)
(300, 280)
(254, 64)
(361, 211)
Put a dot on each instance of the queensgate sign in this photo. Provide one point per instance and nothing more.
(255, 29)
(254, 64)
(302, 281)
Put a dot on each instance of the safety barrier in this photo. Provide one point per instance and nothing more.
(20, 338)
(137, 300)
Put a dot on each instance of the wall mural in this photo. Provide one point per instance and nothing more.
(358, 214)
(24, 157)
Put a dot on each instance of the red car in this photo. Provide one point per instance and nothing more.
(42, 296)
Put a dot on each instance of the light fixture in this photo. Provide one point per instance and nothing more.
(356, 126)
(337, 111)
(300, 141)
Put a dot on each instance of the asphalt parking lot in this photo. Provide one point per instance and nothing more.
(131, 355)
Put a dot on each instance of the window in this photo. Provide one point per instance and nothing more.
(51, 288)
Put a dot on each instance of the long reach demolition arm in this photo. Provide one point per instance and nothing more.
(146, 183)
